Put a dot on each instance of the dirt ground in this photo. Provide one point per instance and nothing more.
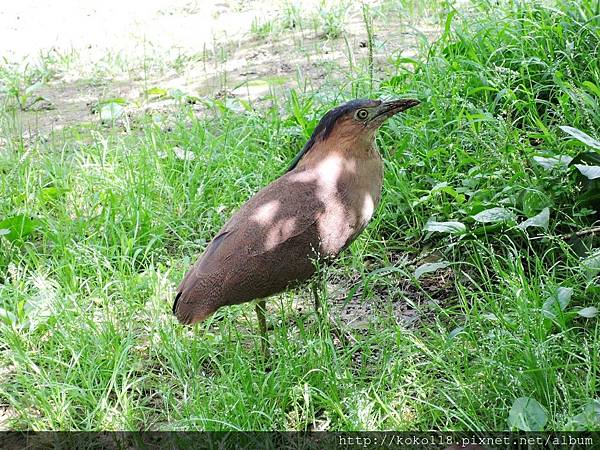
(114, 49)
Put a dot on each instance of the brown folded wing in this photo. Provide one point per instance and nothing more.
(268, 244)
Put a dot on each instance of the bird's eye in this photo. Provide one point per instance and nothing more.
(362, 114)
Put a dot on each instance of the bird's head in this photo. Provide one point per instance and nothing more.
(363, 115)
(357, 120)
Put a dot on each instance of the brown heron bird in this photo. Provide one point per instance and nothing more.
(312, 212)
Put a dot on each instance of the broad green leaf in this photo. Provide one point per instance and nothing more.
(119, 100)
(557, 301)
(588, 419)
(157, 91)
(533, 201)
(50, 194)
(553, 161)
(111, 112)
(589, 312)
(493, 215)
(540, 220)
(526, 414)
(591, 264)
(107, 101)
(19, 226)
(430, 267)
(581, 136)
(590, 172)
(446, 227)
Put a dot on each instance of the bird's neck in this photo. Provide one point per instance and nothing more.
(349, 168)
(347, 150)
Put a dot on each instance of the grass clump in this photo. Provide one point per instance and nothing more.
(331, 18)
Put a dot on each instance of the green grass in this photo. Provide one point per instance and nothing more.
(109, 222)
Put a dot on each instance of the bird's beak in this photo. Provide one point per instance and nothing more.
(388, 109)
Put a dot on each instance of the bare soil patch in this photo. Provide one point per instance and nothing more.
(205, 49)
